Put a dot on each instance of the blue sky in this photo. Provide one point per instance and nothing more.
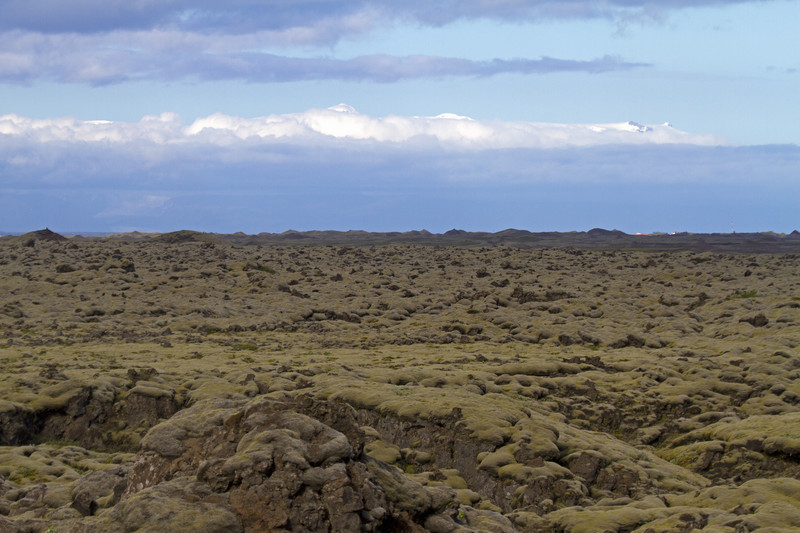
(542, 115)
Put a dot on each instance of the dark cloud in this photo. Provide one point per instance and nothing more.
(81, 60)
(90, 16)
(387, 68)
(236, 16)
(84, 16)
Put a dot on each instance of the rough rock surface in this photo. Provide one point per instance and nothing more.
(191, 384)
(257, 465)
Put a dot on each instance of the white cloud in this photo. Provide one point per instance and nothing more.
(161, 129)
(342, 123)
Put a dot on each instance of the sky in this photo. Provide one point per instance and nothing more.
(545, 115)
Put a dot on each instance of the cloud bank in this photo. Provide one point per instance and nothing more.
(343, 123)
(339, 169)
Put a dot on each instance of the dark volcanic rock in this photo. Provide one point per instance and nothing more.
(274, 468)
(87, 413)
(45, 235)
(16, 425)
(757, 320)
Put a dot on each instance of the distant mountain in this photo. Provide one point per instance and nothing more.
(596, 238)
(187, 236)
(32, 237)
(601, 233)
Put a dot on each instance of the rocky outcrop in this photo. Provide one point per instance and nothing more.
(278, 469)
(528, 476)
(247, 466)
(97, 415)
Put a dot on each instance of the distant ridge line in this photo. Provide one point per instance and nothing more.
(596, 238)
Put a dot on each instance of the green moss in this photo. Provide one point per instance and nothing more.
(161, 508)
(55, 443)
(59, 395)
(492, 461)
(152, 390)
(249, 347)
(383, 451)
(24, 472)
(752, 293)
(467, 496)
(692, 455)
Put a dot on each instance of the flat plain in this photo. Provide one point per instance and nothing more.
(188, 382)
